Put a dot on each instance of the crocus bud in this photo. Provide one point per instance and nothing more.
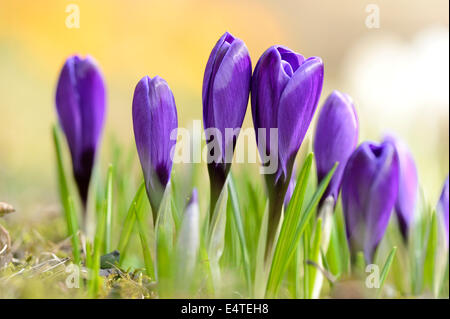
(369, 192)
(407, 186)
(226, 87)
(442, 207)
(335, 139)
(154, 118)
(285, 91)
(80, 104)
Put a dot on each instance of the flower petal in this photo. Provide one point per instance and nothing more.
(335, 139)
(298, 102)
(154, 119)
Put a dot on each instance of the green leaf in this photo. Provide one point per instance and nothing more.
(99, 239)
(294, 225)
(165, 228)
(129, 222)
(108, 209)
(315, 256)
(261, 273)
(237, 218)
(386, 268)
(291, 219)
(142, 228)
(217, 227)
(73, 226)
(66, 200)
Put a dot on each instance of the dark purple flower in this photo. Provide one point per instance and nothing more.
(226, 87)
(335, 139)
(369, 192)
(442, 207)
(285, 91)
(80, 104)
(154, 120)
(407, 186)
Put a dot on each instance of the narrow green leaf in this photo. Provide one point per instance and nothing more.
(386, 268)
(217, 227)
(98, 248)
(108, 210)
(73, 226)
(293, 226)
(261, 272)
(129, 222)
(148, 261)
(66, 200)
(315, 282)
(99, 239)
(240, 229)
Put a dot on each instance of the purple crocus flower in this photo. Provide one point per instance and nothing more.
(154, 119)
(369, 192)
(442, 207)
(335, 139)
(80, 104)
(226, 87)
(407, 186)
(285, 91)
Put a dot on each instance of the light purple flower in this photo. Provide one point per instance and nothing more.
(154, 118)
(442, 206)
(407, 186)
(369, 192)
(80, 104)
(335, 139)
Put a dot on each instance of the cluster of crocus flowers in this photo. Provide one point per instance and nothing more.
(226, 87)
(154, 119)
(374, 179)
(285, 91)
(80, 104)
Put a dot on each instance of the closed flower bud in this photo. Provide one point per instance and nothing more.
(154, 118)
(369, 192)
(80, 104)
(335, 139)
(226, 87)
(407, 186)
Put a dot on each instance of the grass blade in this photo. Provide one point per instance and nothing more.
(73, 226)
(237, 218)
(108, 210)
(293, 226)
(292, 216)
(99, 239)
(386, 268)
(148, 261)
(260, 277)
(130, 221)
(66, 200)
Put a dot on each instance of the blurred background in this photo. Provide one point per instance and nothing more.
(396, 70)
